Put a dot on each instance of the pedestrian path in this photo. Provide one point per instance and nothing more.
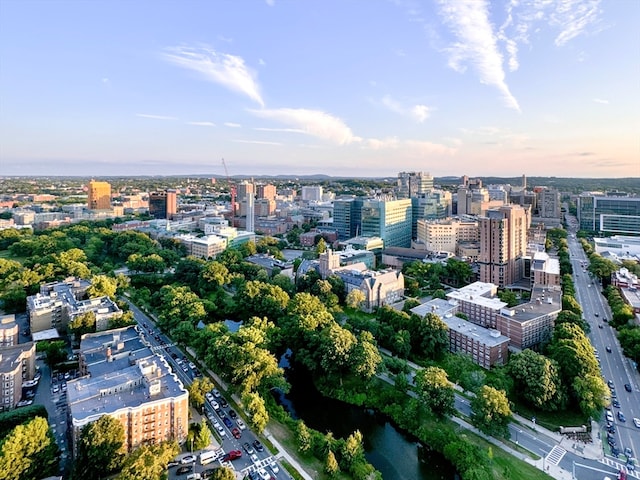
(555, 455)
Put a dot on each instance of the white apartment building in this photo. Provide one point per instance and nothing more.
(444, 236)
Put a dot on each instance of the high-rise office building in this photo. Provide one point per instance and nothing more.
(347, 214)
(503, 245)
(267, 191)
(99, 195)
(163, 204)
(609, 213)
(389, 220)
(312, 193)
(411, 184)
(433, 205)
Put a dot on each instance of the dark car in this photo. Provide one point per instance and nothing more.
(223, 403)
(227, 421)
(611, 428)
(610, 384)
(247, 448)
(233, 414)
(614, 451)
(627, 387)
(621, 417)
(258, 446)
(615, 403)
(232, 455)
(236, 433)
(608, 349)
(611, 441)
(184, 470)
(600, 325)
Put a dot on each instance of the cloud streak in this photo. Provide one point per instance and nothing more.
(476, 44)
(202, 124)
(224, 69)
(155, 117)
(316, 123)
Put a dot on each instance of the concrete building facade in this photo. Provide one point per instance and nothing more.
(98, 195)
(17, 365)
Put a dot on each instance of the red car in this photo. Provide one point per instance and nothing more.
(232, 455)
(236, 433)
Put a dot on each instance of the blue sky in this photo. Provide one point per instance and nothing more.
(349, 87)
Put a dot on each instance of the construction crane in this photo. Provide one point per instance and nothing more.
(232, 188)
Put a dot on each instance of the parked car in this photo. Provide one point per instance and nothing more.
(173, 463)
(263, 474)
(636, 422)
(188, 459)
(232, 455)
(233, 414)
(209, 397)
(610, 384)
(223, 403)
(240, 424)
(194, 476)
(214, 404)
(236, 433)
(227, 421)
(184, 469)
(216, 393)
(274, 467)
(627, 387)
(258, 446)
(615, 403)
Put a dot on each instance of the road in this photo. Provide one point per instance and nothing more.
(162, 345)
(614, 365)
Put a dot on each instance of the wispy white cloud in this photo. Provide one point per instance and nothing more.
(413, 147)
(271, 3)
(257, 142)
(261, 62)
(202, 124)
(224, 69)
(600, 100)
(312, 122)
(232, 125)
(418, 112)
(476, 44)
(286, 130)
(573, 17)
(155, 117)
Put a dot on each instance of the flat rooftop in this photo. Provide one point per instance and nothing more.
(438, 306)
(544, 301)
(121, 389)
(486, 336)
(477, 293)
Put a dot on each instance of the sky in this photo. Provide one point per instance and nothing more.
(360, 88)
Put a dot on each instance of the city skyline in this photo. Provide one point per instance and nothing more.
(338, 88)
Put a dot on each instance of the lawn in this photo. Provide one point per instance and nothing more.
(552, 420)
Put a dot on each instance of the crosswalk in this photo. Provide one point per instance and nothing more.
(555, 455)
(620, 467)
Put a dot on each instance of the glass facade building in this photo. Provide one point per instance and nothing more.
(389, 220)
(609, 214)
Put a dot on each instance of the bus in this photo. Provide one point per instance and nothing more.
(209, 456)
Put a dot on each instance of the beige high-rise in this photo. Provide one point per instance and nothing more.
(503, 244)
(99, 195)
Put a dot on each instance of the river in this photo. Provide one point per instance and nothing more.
(395, 453)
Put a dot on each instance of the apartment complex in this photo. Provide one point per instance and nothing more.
(98, 195)
(487, 347)
(123, 378)
(531, 324)
(479, 303)
(445, 235)
(163, 205)
(205, 247)
(609, 213)
(389, 220)
(503, 245)
(545, 270)
(17, 365)
(8, 331)
(58, 303)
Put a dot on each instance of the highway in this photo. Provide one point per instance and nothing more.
(614, 366)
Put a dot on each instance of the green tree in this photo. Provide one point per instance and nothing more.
(101, 286)
(365, 356)
(197, 390)
(537, 380)
(149, 462)
(223, 473)
(214, 275)
(259, 299)
(429, 336)
(321, 246)
(257, 411)
(203, 437)
(352, 450)
(435, 390)
(355, 298)
(303, 436)
(83, 323)
(28, 452)
(331, 466)
(508, 296)
(491, 412)
(55, 351)
(100, 448)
